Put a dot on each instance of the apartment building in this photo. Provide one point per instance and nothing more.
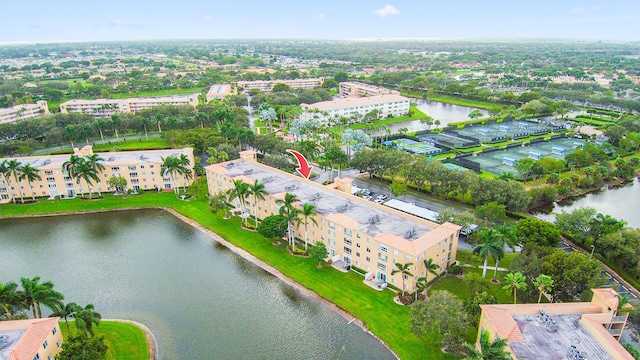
(141, 169)
(357, 232)
(358, 89)
(219, 91)
(30, 339)
(23, 111)
(267, 85)
(391, 104)
(104, 108)
(582, 330)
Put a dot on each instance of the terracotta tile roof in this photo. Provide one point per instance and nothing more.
(37, 331)
(609, 297)
(506, 327)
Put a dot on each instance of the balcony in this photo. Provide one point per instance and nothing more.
(618, 319)
(616, 332)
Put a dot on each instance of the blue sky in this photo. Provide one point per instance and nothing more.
(94, 20)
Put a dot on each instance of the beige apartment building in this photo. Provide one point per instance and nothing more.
(141, 169)
(219, 91)
(267, 85)
(39, 339)
(356, 232)
(23, 111)
(104, 108)
(391, 104)
(560, 330)
(358, 89)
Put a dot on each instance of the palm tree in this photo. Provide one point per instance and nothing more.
(85, 318)
(220, 201)
(543, 283)
(404, 270)
(184, 163)
(623, 301)
(10, 298)
(431, 266)
(145, 121)
(171, 166)
(489, 244)
(240, 192)
(258, 191)
(421, 285)
(71, 166)
(513, 283)
(66, 311)
(30, 173)
(94, 162)
(290, 212)
(100, 124)
(88, 174)
(13, 167)
(37, 294)
(489, 350)
(308, 212)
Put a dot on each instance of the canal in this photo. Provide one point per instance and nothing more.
(201, 300)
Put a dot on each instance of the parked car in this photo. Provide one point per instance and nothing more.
(367, 197)
(378, 201)
(382, 197)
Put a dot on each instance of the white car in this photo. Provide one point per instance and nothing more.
(378, 201)
(382, 197)
(367, 197)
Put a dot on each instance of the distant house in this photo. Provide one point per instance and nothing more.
(30, 339)
(23, 111)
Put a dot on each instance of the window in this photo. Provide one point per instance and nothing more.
(383, 248)
(132, 167)
(347, 241)
(133, 174)
(347, 250)
(52, 186)
(49, 357)
(357, 245)
(332, 225)
(151, 166)
(59, 343)
(45, 344)
(48, 172)
(382, 267)
(37, 357)
(332, 242)
(395, 252)
(347, 232)
(382, 257)
(332, 233)
(368, 250)
(115, 168)
(358, 254)
(51, 179)
(368, 258)
(408, 257)
(54, 331)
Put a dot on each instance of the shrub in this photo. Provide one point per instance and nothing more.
(455, 269)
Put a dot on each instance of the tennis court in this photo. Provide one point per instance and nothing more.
(492, 132)
(412, 147)
(448, 140)
(455, 167)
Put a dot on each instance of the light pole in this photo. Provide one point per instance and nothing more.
(592, 250)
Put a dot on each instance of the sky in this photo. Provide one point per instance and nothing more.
(95, 20)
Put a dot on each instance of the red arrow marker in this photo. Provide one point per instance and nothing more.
(303, 168)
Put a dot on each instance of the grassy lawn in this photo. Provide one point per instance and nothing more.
(417, 115)
(466, 257)
(130, 145)
(377, 310)
(458, 287)
(125, 341)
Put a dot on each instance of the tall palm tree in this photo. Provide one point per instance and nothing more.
(543, 283)
(308, 212)
(13, 168)
(10, 298)
(220, 201)
(100, 124)
(94, 162)
(421, 285)
(71, 166)
(66, 311)
(489, 244)
(404, 270)
(240, 192)
(258, 191)
(86, 318)
(88, 174)
(30, 173)
(290, 212)
(513, 283)
(489, 350)
(37, 294)
(171, 166)
(184, 162)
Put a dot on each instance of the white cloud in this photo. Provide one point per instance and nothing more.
(577, 10)
(387, 10)
(124, 23)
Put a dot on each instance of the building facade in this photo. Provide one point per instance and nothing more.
(23, 111)
(358, 89)
(30, 339)
(219, 91)
(142, 170)
(560, 330)
(104, 108)
(357, 232)
(350, 107)
(267, 85)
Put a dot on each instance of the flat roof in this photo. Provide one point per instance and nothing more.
(355, 101)
(8, 341)
(412, 209)
(328, 202)
(540, 343)
(12, 109)
(219, 89)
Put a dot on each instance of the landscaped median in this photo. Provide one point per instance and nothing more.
(388, 321)
(125, 340)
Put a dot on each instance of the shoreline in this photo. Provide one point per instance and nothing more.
(238, 251)
(152, 343)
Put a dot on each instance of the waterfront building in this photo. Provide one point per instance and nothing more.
(141, 169)
(560, 330)
(358, 89)
(104, 108)
(219, 91)
(267, 85)
(391, 104)
(30, 339)
(23, 111)
(357, 233)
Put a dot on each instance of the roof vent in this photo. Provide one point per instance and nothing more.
(342, 208)
(547, 322)
(248, 171)
(291, 187)
(314, 197)
(266, 180)
(47, 161)
(374, 219)
(409, 234)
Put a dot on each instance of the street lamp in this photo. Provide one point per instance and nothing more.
(593, 247)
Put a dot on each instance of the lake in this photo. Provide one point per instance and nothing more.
(621, 203)
(201, 300)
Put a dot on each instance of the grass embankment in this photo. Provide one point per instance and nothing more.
(130, 145)
(416, 115)
(125, 341)
(377, 310)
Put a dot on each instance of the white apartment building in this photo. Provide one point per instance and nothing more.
(141, 169)
(358, 89)
(391, 104)
(267, 85)
(23, 111)
(219, 91)
(104, 108)
(357, 232)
